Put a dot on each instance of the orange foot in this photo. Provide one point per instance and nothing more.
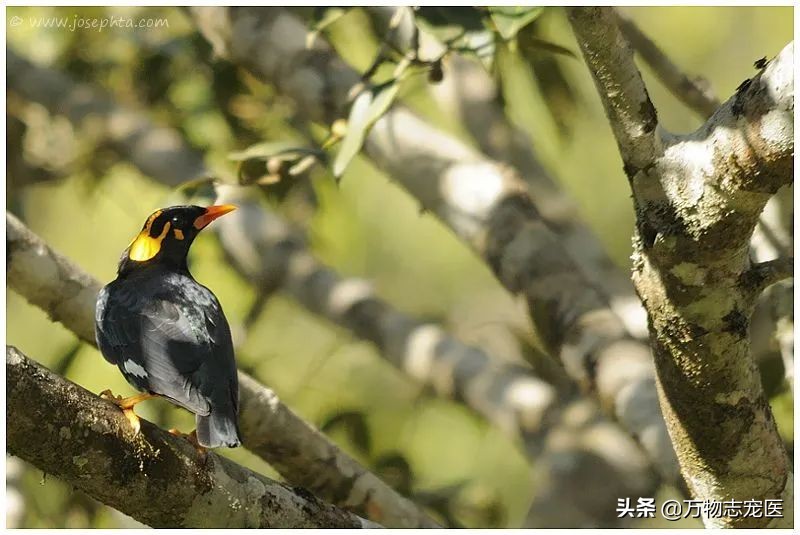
(127, 404)
(202, 451)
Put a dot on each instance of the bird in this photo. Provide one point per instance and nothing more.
(166, 332)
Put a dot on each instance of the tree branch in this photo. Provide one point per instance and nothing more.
(697, 203)
(773, 237)
(485, 203)
(157, 151)
(764, 274)
(609, 56)
(303, 455)
(695, 92)
(154, 477)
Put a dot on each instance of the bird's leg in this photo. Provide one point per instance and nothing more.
(127, 404)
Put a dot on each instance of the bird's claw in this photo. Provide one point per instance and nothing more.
(109, 395)
(126, 406)
(202, 452)
(133, 419)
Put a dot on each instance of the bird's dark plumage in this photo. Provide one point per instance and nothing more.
(166, 332)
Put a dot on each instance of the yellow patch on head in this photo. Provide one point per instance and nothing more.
(150, 220)
(178, 233)
(144, 247)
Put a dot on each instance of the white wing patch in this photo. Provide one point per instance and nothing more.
(134, 369)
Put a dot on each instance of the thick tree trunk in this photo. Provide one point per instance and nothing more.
(698, 198)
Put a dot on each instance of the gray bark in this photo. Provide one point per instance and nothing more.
(154, 477)
(507, 395)
(772, 236)
(698, 198)
(469, 91)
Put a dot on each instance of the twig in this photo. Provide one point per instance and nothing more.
(764, 274)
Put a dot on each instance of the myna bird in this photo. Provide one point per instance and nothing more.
(166, 332)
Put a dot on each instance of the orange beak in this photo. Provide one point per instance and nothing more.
(212, 213)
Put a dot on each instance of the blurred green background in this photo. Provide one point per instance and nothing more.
(366, 227)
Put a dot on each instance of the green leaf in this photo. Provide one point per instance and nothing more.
(368, 107)
(528, 44)
(323, 17)
(509, 20)
(267, 149)
(448, 23)
(482, 45)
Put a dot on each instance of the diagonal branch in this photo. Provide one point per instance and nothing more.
(764, 274)
(302, 454)
(586, 460)
(507, 395)
(153, 477)
(630, 112)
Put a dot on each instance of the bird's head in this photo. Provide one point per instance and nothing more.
(167, 234)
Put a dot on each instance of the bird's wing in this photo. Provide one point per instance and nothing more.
(104, 342)
(175, 346)
(159, 347)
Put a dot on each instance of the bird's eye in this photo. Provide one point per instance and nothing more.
(175, 220)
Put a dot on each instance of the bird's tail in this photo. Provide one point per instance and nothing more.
(219, 428)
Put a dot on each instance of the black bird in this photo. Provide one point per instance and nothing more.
(166, 332)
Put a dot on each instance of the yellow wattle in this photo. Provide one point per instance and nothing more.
(144, 247)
